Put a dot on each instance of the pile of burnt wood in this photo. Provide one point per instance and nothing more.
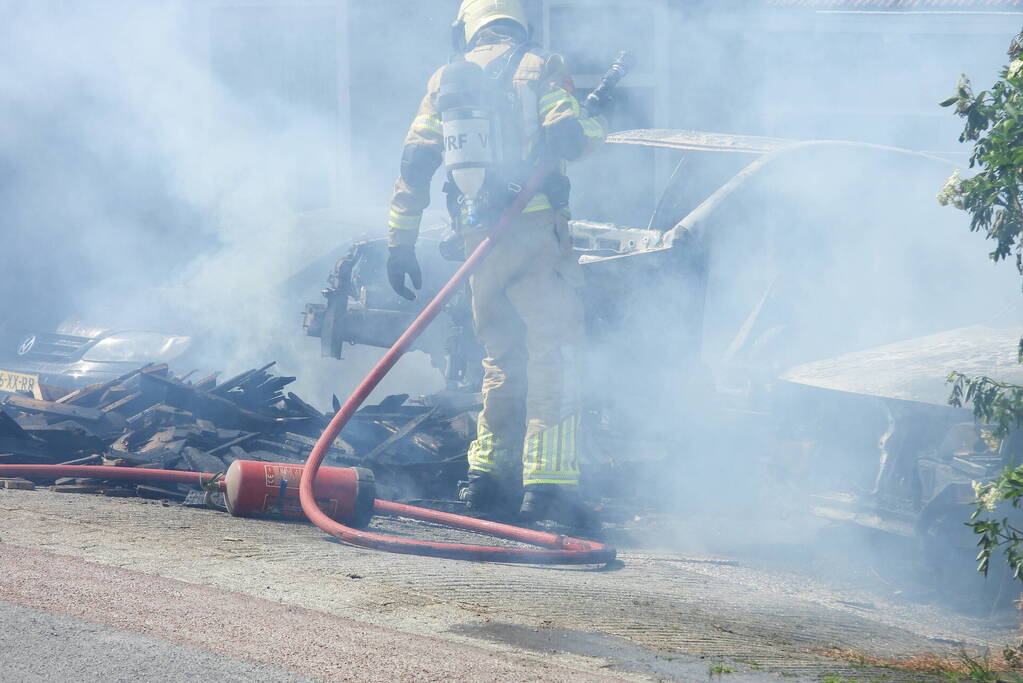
(150, 418)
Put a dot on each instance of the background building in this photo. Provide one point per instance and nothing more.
(805, 69)
(161, 145)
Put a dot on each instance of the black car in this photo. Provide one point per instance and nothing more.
(76, 355)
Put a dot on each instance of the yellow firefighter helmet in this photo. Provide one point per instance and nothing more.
(475, 14)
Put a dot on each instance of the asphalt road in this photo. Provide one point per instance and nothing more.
(42, 646)
(173, 630)
(159, 592)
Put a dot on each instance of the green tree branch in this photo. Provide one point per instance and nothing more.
(992, 197)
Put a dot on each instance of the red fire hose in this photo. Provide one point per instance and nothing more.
(563, 549)
(556, 548)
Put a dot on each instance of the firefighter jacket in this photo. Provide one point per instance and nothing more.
(551, 117)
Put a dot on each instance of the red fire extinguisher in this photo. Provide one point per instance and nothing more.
(254, 488)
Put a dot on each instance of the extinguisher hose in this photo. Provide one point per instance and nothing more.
(557, 549)
(103, 472)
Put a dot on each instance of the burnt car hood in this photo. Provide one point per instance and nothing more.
(916, 369)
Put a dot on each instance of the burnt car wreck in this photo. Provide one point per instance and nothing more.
(700, 331)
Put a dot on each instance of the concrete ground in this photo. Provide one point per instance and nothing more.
(127, 589)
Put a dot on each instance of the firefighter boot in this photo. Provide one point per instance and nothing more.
(553, 503)
(478, 491)
(484, 494)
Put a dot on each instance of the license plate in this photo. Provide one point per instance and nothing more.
(13, 382)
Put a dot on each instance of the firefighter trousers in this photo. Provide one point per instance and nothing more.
(529, 318)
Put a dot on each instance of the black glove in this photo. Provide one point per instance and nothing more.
(604, 106)
(401, 262)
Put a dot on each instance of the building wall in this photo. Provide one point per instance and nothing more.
(798, 70)
(805, 72)
(790, 69)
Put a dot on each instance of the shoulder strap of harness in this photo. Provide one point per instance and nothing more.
(503, 70)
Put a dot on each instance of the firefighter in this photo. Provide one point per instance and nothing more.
(525, 300)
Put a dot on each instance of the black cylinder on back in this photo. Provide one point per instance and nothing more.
(461, 85)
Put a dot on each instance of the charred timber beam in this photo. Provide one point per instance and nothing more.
(31, 405)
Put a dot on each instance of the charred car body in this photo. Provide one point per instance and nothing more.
(704, 326)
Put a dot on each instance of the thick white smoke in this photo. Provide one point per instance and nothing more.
(168, 168)
(175, 166)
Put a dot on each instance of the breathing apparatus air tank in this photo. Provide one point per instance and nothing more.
(469, 132)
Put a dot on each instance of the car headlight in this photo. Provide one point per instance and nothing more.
(137, 347)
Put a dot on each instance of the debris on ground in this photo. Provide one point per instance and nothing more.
(152, 418)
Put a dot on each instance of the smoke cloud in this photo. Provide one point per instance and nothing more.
(183, 167)
(172, 166)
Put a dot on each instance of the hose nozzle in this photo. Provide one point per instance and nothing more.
(598, 100)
